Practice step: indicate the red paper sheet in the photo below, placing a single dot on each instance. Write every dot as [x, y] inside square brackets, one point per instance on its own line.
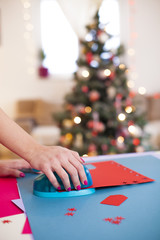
[111, 173]
[8, 192]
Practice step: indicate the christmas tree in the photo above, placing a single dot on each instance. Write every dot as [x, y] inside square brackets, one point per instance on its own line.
[99, 115]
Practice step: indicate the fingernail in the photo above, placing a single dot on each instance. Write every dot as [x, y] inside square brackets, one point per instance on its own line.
[82, 159]
[59, 188]
[22, 174]
[69, 189]
[78, 187]
[85, 182]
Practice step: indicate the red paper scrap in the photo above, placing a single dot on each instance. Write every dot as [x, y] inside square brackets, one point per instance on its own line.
[69, 214]
[6, 221]
[72, 209]
[116, 220]
[108, 219]
[114, 200]
[26, 228]
[111, 173]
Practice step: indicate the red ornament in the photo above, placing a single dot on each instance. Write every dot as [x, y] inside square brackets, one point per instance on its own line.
[82, 110]
[119, 96]
[113, 142]
[89, 57]
[43, 72]
[104, 147]
[92, 147]
[136, 141]
[132, 94]
[94, 133]
[90, 124]
[128, 102]
[112, 76]
[94, 96]
[99, 32]
[130, 123]
[85, 89]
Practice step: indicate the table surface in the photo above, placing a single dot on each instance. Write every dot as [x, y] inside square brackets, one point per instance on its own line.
[140, 211]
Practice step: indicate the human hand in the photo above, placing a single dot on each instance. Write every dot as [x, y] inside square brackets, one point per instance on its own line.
[50, 159]
[12, 167]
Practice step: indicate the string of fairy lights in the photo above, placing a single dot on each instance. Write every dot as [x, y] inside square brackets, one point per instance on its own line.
[133, 36]
[28, 36]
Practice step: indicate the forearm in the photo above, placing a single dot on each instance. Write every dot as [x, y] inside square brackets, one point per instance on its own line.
[15, 138]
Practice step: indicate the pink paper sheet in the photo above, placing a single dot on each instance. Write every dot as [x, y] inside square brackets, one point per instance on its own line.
[8, 192]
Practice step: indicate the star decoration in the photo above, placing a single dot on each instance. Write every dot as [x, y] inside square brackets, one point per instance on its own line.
[116, 220]
[108, 219]
[6, 221]
[72, 209]
[69, 214]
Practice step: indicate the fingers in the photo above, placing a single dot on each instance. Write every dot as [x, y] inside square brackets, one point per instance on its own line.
[80, 171]
[10, 172]
[76, 155]
[50, 175]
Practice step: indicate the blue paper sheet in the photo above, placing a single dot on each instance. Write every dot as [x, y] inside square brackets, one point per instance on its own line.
[141, 210]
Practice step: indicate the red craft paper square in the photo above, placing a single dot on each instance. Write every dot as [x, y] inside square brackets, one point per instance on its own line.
[114, 200]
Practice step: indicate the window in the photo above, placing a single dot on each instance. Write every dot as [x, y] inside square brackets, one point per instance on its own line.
[60, 42]
[109, 13]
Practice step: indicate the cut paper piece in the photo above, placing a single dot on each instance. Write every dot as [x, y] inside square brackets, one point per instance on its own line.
[6, 221]
[13, 229]
[69, 214]
[8, 192]
[19, 203]
[114, 200]
[111, 173]
[116, 220]
[26, 228]
[72, 209]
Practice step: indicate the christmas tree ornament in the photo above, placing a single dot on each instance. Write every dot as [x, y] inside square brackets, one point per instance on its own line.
[85, 89]
[139, 149]
[89, 57]
[67, 123]
[92, 147]
[111, 92]
[78, 143]
[136, 141]
[88, 109]
[94, 95]
[104, 147]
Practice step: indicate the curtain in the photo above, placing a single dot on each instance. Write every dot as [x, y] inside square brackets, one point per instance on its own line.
[79, 13]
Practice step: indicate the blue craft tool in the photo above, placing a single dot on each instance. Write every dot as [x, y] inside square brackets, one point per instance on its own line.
[42, 187]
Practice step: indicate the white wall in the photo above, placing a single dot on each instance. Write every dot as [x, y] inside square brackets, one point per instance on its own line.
[18, 56]
[146, 23]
